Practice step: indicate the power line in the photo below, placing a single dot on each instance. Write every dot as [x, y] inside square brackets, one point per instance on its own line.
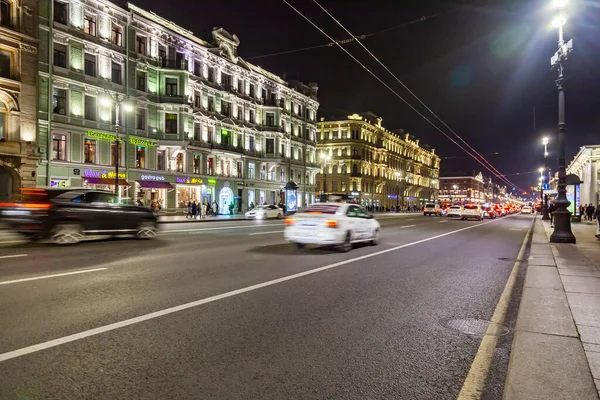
[457, 157]
[346, 41]
[497, 173]
[387, 86]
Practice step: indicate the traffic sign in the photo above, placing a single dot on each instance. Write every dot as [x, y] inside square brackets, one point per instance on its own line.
[546, 186]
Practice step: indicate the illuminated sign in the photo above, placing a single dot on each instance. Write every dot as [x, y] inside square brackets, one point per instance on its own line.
[189, 181]
[58, 183]
[101, 135]
[88, 173]
[152, 178]
[142, 142]
[212, 181]
[355, 193]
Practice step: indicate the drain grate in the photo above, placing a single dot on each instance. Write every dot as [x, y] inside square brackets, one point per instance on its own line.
[474, 327]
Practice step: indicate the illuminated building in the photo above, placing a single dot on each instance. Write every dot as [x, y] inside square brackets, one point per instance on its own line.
[206, 125]
[18, 48]
[463, 189]
[381, 167]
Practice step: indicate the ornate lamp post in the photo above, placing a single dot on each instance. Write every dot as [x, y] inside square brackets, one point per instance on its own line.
[118, 100]
[545, 214]
[562, 217]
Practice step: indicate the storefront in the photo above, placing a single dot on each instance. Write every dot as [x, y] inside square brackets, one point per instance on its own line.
[151, 188]
[103, 179]
[192, 189]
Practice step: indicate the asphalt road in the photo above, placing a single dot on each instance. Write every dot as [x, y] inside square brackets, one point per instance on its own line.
[368, 324]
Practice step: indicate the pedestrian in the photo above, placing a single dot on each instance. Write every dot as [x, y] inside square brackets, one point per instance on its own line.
[590, 211]
[251, 205]
[194, 209]
[551, 210]
[581, 210]
[231, 208]
[203, 211]
[596, 217]
[189, 210]
[215, 208]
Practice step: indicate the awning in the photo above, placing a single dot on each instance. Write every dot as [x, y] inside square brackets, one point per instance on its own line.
[105, 181]
[155, 185]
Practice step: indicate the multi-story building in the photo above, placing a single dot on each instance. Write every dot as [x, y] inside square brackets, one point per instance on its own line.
[18, 48]
[463, 189]
[204, 125]
[383, 168]
[585, 165]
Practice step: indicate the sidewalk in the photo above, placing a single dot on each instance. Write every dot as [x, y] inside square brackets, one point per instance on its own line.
[556, 347]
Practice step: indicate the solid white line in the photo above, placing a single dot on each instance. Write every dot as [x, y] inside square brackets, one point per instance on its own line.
[110, 327]
[263, 233]
[411, 219]
[407, 226]
[443, 222]
[219, 228]
[35, 278]
[14, 256]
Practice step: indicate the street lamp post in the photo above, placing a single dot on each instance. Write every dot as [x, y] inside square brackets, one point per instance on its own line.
[325, 159]
[545, 213]
[562, 217]
[397, 174]
[117, 100]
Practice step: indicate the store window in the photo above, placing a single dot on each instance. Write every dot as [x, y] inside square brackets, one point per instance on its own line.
[89, 151]
[90, 108]
[112, 153]
[89, 25]
[196, 163]
[162, 160]
[90, 64]
[116, 36]
[59, 147]
[59, 101]
[179, 162]
[170, 123]
[140, 157]
[60, 55]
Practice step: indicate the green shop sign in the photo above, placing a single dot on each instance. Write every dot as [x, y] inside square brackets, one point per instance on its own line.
[101, 135]
[142, 142]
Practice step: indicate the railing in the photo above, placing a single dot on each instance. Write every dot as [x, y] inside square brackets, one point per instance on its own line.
[228, 147]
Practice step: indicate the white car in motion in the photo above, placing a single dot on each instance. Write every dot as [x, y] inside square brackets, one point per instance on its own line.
[265, 212]
[472, 211]
[454, 211]
[337, 224]
[526, 210]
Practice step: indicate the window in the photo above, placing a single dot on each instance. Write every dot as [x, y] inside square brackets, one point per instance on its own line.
[226, 108]
[179, 162]
[60, 12]
[116, 72]
[252, 91]
[180, 61]
[196, 163]
[270, 119]
[89, 25]
[226, 80]
[90, 64]
[197, 99]
[140, 157]
[60, 55]
[140, 118]
[5, 64]
[240, 87]
[59, 147]
[170, 123]
[89, 151]
[211, 74]
[252, 117]
[90, 108]
[162, 54]
[210, 166]
[251, 144]
[239, 169]
[140, 80]
[197, 68]
[140, 45]
[334, 186]
[270, 146]
[162, 160]
[112, 153]
[171, 86]
[240, 112]
[5, 13]
[197, 131]
[211, 103]
[343, 186]
[59, 101]
[116, 35]
[100, 197]
[251, 172]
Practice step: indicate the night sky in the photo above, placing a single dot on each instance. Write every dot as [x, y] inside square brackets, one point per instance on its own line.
[483, 66]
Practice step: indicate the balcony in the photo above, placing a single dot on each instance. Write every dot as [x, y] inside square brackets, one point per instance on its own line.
[355, 174]
[174, 99]
[254, 153]
[271, 128]
[228, 147]
[169, 63]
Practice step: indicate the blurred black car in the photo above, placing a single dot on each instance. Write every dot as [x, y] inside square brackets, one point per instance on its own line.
[66, 216]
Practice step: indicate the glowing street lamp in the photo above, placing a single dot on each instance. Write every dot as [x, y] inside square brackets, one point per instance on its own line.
[118, 100]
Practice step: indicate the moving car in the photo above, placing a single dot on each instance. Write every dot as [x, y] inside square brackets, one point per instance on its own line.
[265, 212]
[472, 211]
[67, 216]
[500, 211]
[488, 211]
[526, 210]
[432, 209]
[337, 224]
[454, 211]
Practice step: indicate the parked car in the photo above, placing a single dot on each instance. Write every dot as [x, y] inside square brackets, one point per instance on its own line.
[265, 212]
[454, 211]
[472, 211]
[337, 224]
[67, 216]
[432, 209]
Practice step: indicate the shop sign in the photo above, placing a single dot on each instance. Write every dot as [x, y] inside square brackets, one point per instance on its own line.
[392, 196]
[188, 180]
[355, 193]
[158, 178]
[60, 183]
[142, 142]
[77, 172]
[212, 181]
[101, 135]
[88, 173]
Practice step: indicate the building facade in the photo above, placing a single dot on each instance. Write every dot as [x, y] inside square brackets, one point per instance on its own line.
[196, 121]
[586, 166]
[463, 189]
[382, 168]
[18, 48]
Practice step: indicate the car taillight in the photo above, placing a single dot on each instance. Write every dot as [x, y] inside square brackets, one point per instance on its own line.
[290, 221]
[331, 223]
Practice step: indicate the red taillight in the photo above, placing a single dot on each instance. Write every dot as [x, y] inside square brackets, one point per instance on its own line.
[331, 223]
[290, 221]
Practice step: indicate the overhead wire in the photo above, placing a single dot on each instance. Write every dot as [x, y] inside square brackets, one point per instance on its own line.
[495, 171]
[346, 41]
[389, 88]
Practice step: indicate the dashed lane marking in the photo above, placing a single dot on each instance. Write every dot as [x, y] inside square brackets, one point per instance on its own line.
[35, 278]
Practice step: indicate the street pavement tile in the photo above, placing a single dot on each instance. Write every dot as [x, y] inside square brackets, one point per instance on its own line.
[589, 334]
[594, 361]
[545, 311]
[580, 279]
[540, 250]
[578, 272]
[527, 380]
[590, 347]
[582, 287]
[586, 267]
[543, 277]
[536, 260]
[586, 316]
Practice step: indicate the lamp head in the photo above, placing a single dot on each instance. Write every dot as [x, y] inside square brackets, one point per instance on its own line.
[128, 107]
[105, 101]
[545, 140]
[560, 3]
[559, 21]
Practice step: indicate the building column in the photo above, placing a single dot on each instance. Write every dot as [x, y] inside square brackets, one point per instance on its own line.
[593, 185]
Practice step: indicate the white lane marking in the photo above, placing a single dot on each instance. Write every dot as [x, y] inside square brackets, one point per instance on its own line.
[411, 219]
[475, 381]
[263, 233]
[443, 222]
[14, 255]
[35, 278]
[121, 324]
[407, 226]
[218, 228]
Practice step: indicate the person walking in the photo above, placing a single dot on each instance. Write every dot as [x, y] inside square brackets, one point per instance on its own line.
[551, 210]
[581, 210]
[203, 211]
[596, 217]
[189, 210]
[231, 208]
[590, 211]
[194, 209]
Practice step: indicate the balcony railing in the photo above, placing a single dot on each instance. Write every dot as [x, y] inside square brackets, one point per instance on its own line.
[169, 63]
[228, 147]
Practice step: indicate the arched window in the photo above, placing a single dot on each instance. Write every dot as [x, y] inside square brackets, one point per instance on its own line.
[355, 169]
[334, 169]
[3, 121]
[344, 169]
